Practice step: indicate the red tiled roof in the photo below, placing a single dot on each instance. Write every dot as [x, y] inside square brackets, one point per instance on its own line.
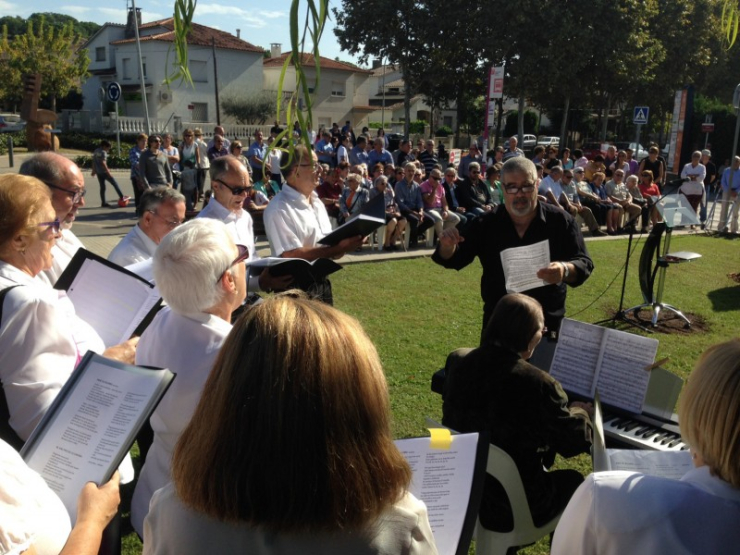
[308, 60]
[199, 35]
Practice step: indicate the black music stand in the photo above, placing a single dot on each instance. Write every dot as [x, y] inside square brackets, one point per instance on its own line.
[676, 212]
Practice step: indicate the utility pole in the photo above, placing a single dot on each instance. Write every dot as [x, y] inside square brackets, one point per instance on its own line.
[215, 81]
[141, 70]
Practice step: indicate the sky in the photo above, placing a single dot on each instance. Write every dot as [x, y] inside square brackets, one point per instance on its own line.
[261, 23]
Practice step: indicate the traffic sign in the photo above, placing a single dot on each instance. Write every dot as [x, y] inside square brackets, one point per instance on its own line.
[707, 127]
[113, 91]
[641, 115]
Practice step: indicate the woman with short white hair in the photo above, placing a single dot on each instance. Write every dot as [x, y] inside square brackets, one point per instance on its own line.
[200, 274]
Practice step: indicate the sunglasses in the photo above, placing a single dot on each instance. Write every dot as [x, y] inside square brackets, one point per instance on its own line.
[236, 191]
[243, 254]
[56, 225]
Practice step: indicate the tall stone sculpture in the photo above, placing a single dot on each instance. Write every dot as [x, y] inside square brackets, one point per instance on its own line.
[39, 122]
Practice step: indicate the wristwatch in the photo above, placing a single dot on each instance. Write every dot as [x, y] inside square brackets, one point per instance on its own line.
[566, 270]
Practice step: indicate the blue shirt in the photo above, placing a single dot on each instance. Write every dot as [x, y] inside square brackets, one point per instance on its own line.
[259, 152]
[358, 156]
[383, 157]
[726, 180]
[409, 198]
[324, 150]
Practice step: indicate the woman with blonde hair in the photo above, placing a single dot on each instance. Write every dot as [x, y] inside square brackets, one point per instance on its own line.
[295, 415]
[627, 512]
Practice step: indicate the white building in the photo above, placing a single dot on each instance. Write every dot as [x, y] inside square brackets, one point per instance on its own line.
[114, 57]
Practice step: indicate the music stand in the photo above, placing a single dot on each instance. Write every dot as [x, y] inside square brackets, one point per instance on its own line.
[676, 212]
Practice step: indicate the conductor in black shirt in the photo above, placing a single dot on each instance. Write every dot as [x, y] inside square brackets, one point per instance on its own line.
[521, 222]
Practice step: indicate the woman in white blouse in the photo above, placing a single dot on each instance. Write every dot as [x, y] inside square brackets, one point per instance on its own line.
[627, 512]
[290, 447]
[200, 274]
[41, 339]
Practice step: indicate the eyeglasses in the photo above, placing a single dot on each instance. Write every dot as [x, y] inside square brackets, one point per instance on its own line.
[236, 191]
[474, 171]
[187, 136]
[242, 255]
[434, 177]
[172, 224]
[56, 225]
[513, 188]
[237, 147]
[76, 194]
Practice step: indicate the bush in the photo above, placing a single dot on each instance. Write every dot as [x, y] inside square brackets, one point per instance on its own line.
[253, 110]
[19, 140]
[114, 162]
[417, 126]
[444, 131]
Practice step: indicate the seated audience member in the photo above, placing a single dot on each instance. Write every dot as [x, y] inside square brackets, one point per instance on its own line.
[493, 182]
[200, 273]
[565, 160]
[411, 203]
[35, 521]
[290, 448]
[353, 198]
[269, 188]
[614, 210]
[41, 338]
[571, 202]
[330, 191]
[472, 194]
[633, 187]
[594, 166]
[620, 163]
[588, 198]
[256, 201]
[450, 185]
[395, 223]
[619, 512]
[580, 160]
[160, 210]
[237, 151]
[618, 193]
[524, 409]
[550, 188]
[435, 203]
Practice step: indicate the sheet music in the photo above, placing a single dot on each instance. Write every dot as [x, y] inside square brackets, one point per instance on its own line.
[520, 266]
[80, 444]
[442, 479]
[577, 356]
[623, 380]
[111, 302]
[668, 464]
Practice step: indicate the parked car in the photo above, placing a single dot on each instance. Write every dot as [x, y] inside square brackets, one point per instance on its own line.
[10, 123]
[528, 142]
[545, 140]
[590, 150]
[639, 151]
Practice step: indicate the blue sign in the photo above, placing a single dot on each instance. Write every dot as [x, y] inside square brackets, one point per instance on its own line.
[641, 115]
[113, 91]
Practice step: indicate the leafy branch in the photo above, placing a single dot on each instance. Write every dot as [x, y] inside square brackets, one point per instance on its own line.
[183, 23]
[730, 21]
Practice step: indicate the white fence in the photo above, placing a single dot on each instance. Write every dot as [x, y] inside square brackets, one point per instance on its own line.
[134, 126]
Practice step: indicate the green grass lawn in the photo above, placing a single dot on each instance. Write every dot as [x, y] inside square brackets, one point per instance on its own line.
[417, 312]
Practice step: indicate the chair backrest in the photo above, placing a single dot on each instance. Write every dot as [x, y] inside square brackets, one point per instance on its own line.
[650, 252]
[502, 467]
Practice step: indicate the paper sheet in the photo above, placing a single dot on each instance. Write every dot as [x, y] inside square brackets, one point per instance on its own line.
[668, 464]
[521, 265]
[442, 480]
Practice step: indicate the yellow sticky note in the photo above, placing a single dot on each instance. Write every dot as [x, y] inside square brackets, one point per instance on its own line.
[441, 438]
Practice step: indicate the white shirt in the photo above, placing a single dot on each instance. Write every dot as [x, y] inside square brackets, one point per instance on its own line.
[173, 528]
[30, 512]
[136, 246]
[186, 345]
[549, 184]
[696, 175]
[63, 251]
[275, 157]
[342, 154]
[293, 221]
[616, 513]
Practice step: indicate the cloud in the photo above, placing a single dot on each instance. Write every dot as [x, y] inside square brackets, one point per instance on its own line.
[7, 7]
[253, 19]
[76, 10]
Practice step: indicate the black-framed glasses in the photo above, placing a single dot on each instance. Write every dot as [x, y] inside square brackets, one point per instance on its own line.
[513, 189]
[56, 225]
[242, 255]
[172, 224]
[566, 176]
[236, 191]
[76, 194]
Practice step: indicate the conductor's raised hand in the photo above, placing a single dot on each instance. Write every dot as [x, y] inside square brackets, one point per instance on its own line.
[448, 241]
[552, 273]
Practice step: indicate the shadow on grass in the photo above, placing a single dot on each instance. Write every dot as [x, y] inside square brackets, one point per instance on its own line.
[725, 299]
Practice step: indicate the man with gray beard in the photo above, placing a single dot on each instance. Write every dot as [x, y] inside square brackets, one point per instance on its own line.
[521, 221]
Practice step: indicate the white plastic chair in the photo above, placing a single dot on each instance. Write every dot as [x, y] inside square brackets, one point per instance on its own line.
[502, 467]
[377, 238]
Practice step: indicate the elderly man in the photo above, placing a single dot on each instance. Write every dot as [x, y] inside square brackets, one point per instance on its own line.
[67, 185]
[160, 210]
[473, 155]
[230, 183]
[472, 194]
[379, 155]
[411, 204]
[570, 201]
[435, 203]
[403, 154]
[256, 154]
[513, 151]
[428, 157]
[219, 131]
[618, 192]
[296, 219]
[522, 223]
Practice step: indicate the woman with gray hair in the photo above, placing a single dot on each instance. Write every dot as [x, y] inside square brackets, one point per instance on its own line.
[395, 223]
[201, 276]
[353, 198]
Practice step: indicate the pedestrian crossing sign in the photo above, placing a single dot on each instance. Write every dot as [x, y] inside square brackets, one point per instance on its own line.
[641, 115]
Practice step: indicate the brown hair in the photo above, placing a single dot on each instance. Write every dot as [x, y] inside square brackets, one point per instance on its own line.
[514, 322]
[648, 172]
[21, 199]
[709, 410]
[292, 431]
[289, 161]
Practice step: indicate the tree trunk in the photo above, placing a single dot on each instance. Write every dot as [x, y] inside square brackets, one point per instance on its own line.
[53, 102]
[406, 98]
[605, 121]
[520, 119]
[564, 124]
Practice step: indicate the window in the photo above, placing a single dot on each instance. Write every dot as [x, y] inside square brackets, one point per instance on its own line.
[100, 54]
[200, 111]
[198, 71]
[337, 89]
[127, 69]
[143, 64]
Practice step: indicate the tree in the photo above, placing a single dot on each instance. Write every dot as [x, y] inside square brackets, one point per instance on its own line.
[398, 40]
[54, 54]
[254, 110]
